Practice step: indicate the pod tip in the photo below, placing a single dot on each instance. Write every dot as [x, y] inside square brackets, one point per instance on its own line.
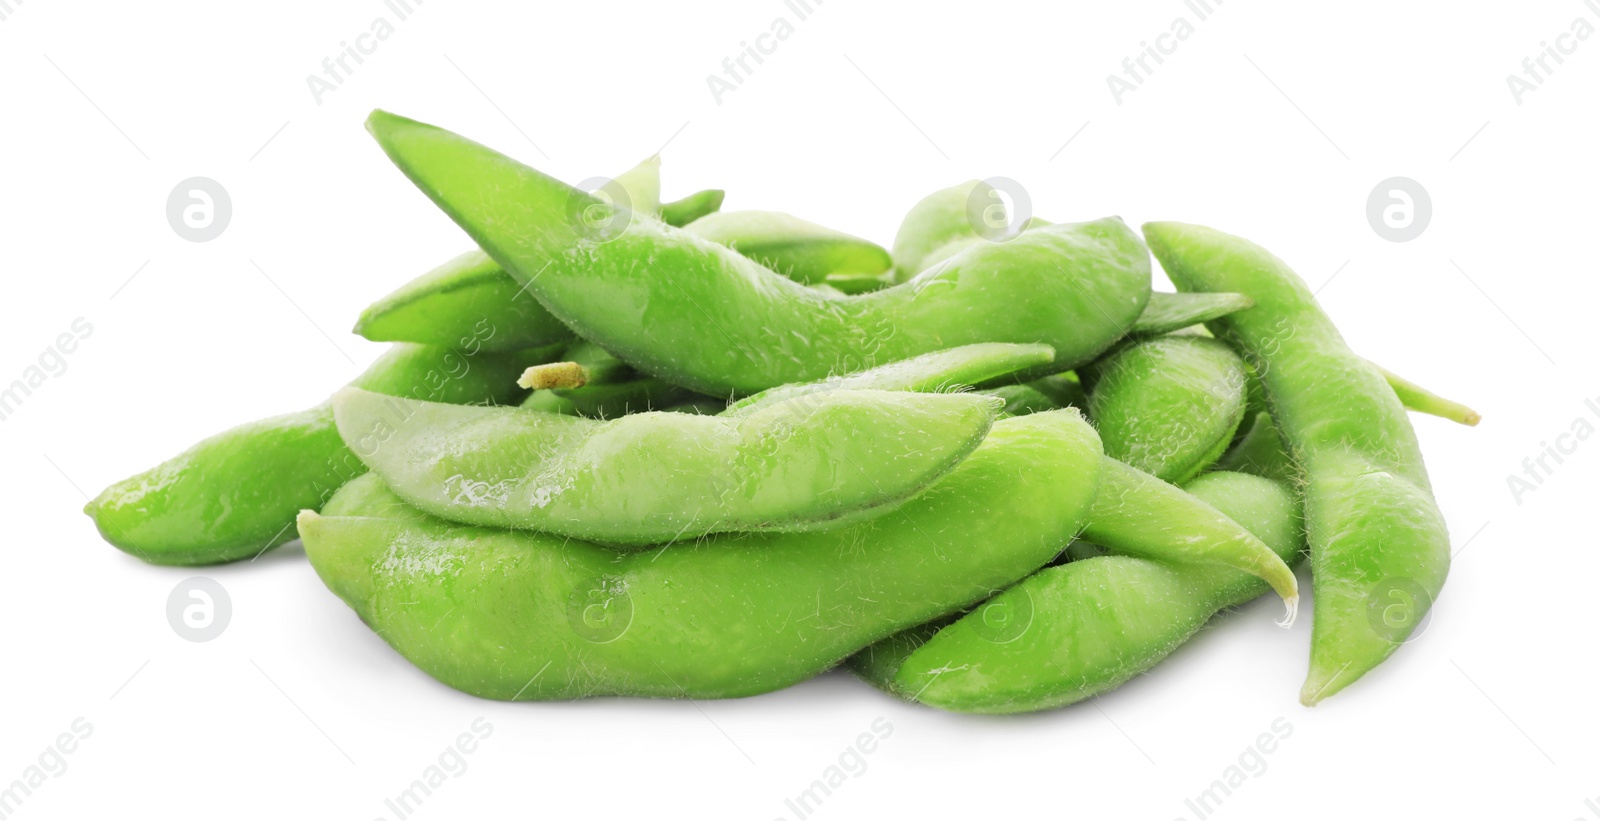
[1291, 609]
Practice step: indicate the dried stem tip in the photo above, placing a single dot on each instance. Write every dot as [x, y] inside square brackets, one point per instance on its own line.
[554, 375]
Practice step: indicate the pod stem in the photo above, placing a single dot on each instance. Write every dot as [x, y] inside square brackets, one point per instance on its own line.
[1420, 399]
[554, 375]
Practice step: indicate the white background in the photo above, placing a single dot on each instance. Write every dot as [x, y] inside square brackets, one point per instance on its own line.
[1273, 121]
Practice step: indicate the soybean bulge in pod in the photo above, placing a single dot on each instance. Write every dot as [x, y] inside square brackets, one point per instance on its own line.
[234, 495]
[1076, 630]
[1134, 512]
[525, 615]
[1169, 405]
[648, 478]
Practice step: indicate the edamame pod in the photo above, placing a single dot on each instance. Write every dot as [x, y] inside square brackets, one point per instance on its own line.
[943, 217]
[800, 250]
[684, 211]
[807, 463]
[1073, 631]
[235, 494]
[638, 189]
[1171, 312]
[937, 372]
[522, 615]
[1137, 514]
[1379, 548]
[471, 296]
[1260, 452]
[725, 326]
[1169, 405]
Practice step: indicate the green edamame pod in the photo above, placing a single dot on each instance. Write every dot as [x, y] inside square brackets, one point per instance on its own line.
[524, 615]
[471, 296]
[235, 494]
[943, 217]
[811, 462]
[1137, 514]
[468, 295]
[878, 662]
[681, 212]
[1169, 405]
[1076, 630]
[1260, 452]
[724, 325]
[940, 371]
[1378, 540]
[800, 250]
[1171, 312]
[638, 189]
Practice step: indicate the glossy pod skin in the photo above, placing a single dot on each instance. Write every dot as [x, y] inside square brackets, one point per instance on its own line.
[1169, 405]
[808, 463]
[236, 494]
[1379, 548]
[725, 326]
[520, 615]
[802, 251]
[1073, 631]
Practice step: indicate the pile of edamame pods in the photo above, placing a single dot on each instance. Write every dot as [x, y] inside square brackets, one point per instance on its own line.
[627, 447]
